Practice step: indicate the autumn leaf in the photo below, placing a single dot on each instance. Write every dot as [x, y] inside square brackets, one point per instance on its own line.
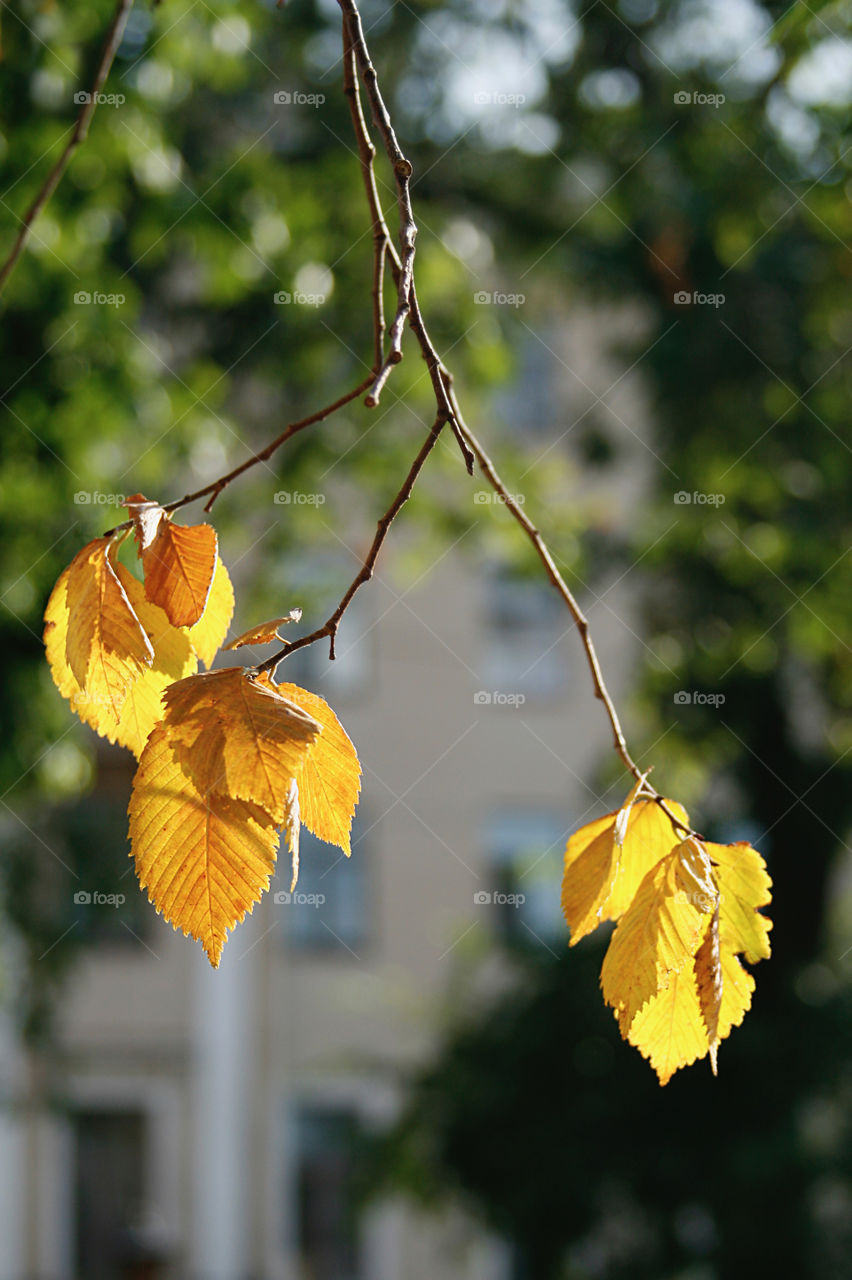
[606, 860]
[204, 858]
[696, 1009]
[211, 628]
[179, 563]
[657, 936]
[329, 778]
[96, 645]
[174, 659]
[744, 887]
[238, 737]
[669, 1030]
[265, 631]
[208, 627]
[221, 772]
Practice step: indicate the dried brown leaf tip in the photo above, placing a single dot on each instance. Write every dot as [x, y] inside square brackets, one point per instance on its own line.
[265, 632]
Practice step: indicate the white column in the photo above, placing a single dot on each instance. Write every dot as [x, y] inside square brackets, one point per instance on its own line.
[13, 1158]
[221, 1088]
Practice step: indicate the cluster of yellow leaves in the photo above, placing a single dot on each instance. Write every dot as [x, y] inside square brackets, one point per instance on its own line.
[227, 759]
[233, 760]
[685, 911]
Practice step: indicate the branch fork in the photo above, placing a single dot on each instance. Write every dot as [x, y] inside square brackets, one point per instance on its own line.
[357, 69]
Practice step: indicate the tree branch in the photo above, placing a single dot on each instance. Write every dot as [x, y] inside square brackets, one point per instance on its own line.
[81, 129]
[356, 56]
[356, 59]
[216, 486]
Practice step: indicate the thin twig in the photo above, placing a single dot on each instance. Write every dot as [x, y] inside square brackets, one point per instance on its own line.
[367, 154]
[216, 486]
[365, 573]
[402, 171]
[81, 129]
[356, 52]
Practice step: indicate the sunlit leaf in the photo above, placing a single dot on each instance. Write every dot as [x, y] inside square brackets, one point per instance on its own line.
[211, 628]
[204, 859]
[179, 564]
[237, 736]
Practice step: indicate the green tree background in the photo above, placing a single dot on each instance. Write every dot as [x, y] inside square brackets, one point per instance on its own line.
[197, 200]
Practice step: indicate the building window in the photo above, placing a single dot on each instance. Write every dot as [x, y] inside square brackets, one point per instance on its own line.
[330, 909]
[524, 853]
[523, 651]
[326, 1225]
[109, 1168]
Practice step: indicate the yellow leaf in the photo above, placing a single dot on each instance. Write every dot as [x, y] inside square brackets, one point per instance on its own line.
[141, 709]
[656, 937]
[744, 886]
[602, 876]
[236, 736]
[179, 564]
[96, 645]
[737, 988]
[211, 628]
[174, 659]
[329, 777]
[265, 631]
[713, 994]
[590, 862]
[204, 859]
[650, 837]
[674, 1029]
[670, 1031]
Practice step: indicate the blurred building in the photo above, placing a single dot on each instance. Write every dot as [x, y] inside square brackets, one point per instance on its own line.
[198, 1125]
